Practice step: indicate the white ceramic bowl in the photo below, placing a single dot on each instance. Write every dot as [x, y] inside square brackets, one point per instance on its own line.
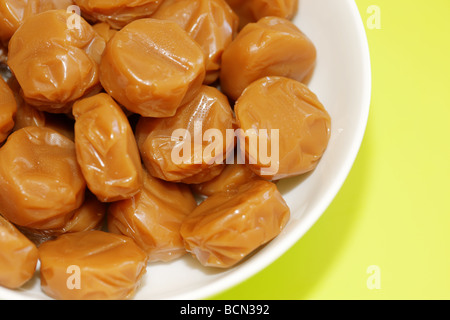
[342, 81]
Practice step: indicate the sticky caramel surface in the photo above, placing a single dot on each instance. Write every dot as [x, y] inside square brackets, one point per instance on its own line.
[228, 226]
[152, 67]
[18, 256]
[302, 123]
[91, 265]
[270, 47]
[153, 218]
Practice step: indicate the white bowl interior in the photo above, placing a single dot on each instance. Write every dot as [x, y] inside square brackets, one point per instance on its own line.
[342, 81]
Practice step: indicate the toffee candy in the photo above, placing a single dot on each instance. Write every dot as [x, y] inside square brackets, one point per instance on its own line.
[18, 256]
[168, 158]
[271, 47]
[117, 13]
[153, 217]
[228, 226]
[253, 10]
[152, 67]
[106, 149]
[8, 109]
[211, 23]
[91, 265]
[14, 12]
[54, 64]
[41, 183]
[302, 123]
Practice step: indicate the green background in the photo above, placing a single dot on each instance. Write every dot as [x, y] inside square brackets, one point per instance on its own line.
[393, 210]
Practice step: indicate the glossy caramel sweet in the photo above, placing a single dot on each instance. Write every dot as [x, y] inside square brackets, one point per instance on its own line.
[41, 183]
[18, 256]
[211, 23]
[177, 148]
[253, 10]
[153, 218]
[228, 226]
[152, 67]
[271, 47]
[302, 123]
[91, 265]
[104, 30]
[106, 149]
[117, 13]
[233, 176]
[90, 216]
[8, 109]
[14, 12]
[54, 64]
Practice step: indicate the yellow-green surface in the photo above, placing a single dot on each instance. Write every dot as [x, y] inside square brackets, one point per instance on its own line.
[393, 211]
